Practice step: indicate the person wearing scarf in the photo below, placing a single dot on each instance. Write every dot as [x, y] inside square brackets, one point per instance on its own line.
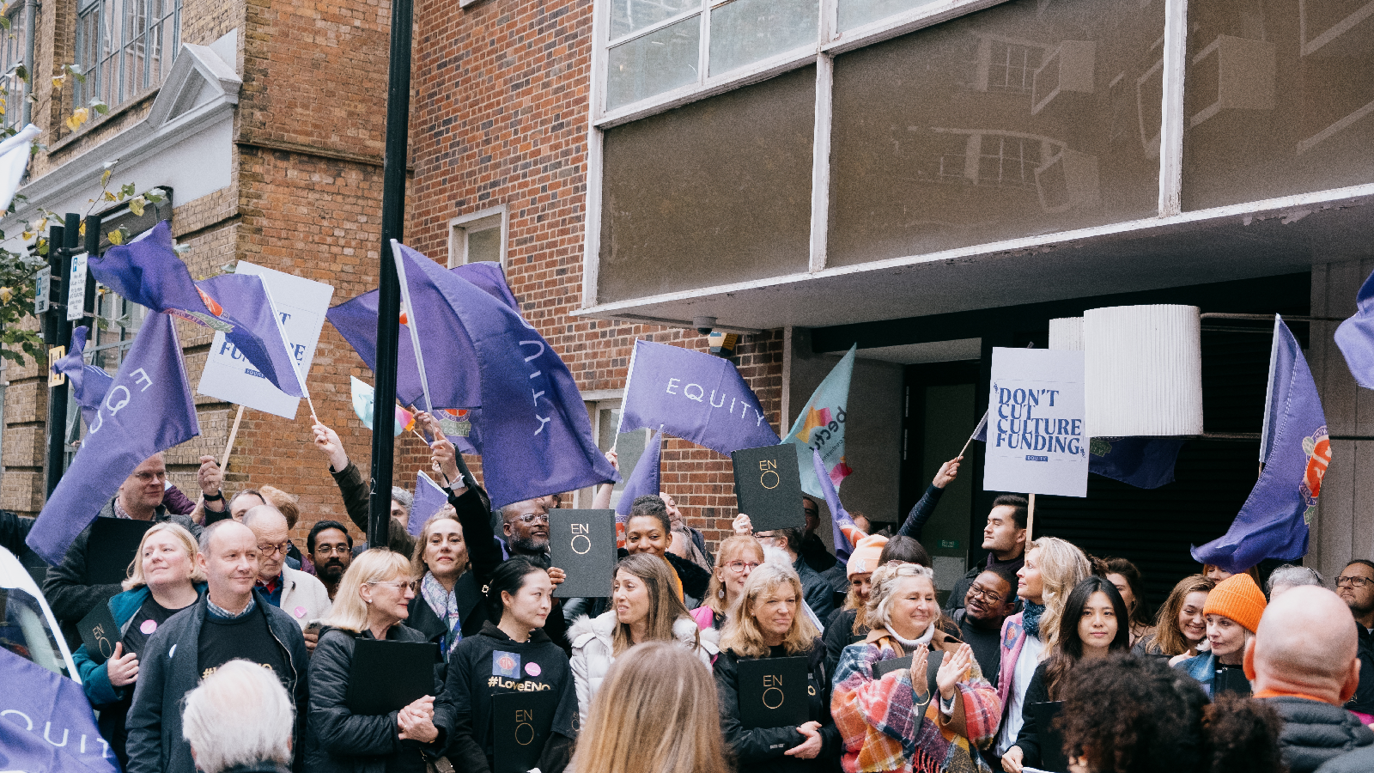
[440, 561]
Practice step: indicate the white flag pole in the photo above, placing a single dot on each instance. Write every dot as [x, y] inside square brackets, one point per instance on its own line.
[629, 374]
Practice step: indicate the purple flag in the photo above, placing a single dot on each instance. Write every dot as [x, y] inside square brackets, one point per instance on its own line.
[1295, 450]
[845, 532]
[147, 409]
[644, 480]
[1355, 337]
[47, 725]
[89, 383]
[429, 499]
[695, 396]
[536, 435]
[148, 271]
[1143, 462]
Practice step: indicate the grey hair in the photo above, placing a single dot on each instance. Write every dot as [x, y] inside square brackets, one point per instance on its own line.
[255, 513]
[406, 498]
[204, 542]
[248, 698]
[884, 589]
[1291, 576]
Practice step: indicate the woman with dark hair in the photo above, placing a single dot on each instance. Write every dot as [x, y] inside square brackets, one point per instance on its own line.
[1138, 715]
[650, 530]
[1126, 577]
[849, 625]
[1092, 626]
[511, 656]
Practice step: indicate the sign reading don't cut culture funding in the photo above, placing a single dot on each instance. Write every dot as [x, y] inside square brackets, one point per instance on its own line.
[1036, 439]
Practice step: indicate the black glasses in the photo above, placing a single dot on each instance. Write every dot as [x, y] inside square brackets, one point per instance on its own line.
[1354, 581]
[268, 550]
[989, 596]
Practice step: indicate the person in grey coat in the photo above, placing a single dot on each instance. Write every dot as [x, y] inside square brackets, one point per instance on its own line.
[232, 621]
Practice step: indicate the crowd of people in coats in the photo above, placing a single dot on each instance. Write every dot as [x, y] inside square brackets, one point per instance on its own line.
[235, 646]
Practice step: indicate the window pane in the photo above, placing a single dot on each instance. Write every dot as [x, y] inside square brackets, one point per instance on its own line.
[855, 13]
[484, 245]
[1278, 99]
[630, 15]
[729, 201]
[746, 31]
[658, 62]
[11, 56]
[1026, 118]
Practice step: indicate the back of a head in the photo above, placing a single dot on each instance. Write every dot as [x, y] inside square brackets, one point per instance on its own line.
[906, 550]
[1291, 576]
[288, 504]
[238, 716]
[1305, 642]
[655, 713]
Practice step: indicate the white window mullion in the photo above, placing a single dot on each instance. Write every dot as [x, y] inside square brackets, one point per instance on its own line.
[820, 160]
[704, 55]
[1171, 112]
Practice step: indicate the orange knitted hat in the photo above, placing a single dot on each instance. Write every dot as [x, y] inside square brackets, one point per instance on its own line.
[1239, 598]
[864, 559]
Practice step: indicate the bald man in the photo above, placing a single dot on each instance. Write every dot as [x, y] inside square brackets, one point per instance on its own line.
[296, 593]
[1303, 662]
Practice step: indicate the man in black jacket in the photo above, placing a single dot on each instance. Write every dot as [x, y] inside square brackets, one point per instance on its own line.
[230, 621]
[1004, 538]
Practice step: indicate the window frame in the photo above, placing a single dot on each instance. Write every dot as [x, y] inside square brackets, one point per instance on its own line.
[15, 45]
[93, 15]
[462, 227]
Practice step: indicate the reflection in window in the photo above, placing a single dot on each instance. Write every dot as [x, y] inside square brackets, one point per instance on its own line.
[25, 631]
[632, 15]
[657, 62]
[1011, 66]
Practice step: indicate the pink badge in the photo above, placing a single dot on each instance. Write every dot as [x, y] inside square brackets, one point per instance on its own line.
[148, 627]
[300, 611]
[533, 669]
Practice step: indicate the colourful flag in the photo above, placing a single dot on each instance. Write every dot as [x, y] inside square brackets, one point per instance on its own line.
[147, 409]
[844, 530]
[644, 480]
[89, 383]
[1295, 450]
[429, 499]
[1355, 336]
[694, 396]
[47, 725]
[537, 438]
[820, 427]
[362, 405]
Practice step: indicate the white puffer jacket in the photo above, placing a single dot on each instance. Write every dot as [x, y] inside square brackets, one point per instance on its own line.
[593, 645]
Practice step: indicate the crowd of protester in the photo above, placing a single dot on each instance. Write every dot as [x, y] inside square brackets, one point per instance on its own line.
[235, 649]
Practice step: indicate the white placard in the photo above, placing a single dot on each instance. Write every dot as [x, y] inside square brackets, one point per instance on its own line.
[301, 304]
[1037, 443]
[76, 289]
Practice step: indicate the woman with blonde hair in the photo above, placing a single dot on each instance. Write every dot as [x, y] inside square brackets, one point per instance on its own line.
[657, 713]
[645, 607]
[905, 720]
[371, 604]
[164, 578]
[736, 558]
[1052, 568]
[769, 624]
[447, 595]
[1181, 625]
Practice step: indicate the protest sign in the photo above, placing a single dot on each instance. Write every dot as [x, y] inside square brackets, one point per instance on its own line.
[1036, 440]
[118, 539]
[386, 676]
[768, 486]
[582, 544]
[521, 723]
[301, 305]
[773, 692]
[99, 633]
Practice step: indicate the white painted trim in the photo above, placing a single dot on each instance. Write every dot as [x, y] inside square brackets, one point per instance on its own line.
[685, 323]
[600, 395]
[1297, 205]
[820, 161]
[457, 250]
[1171, 113]
[648, 29]
[591, 212]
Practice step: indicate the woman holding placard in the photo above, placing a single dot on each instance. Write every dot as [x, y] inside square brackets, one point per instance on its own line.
[737, 557]
[769, 624]
[440, 605]
[645, 607]
[509, 667]
[371, 603]
[164, 578]
[903, 720]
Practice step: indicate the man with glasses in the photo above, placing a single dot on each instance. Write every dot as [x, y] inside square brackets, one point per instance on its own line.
[331, 551]
[294, 592]
[70, 589]
[991, 598]
[1355, 586]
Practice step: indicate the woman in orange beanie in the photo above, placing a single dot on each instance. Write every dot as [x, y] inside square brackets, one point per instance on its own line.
[1232, 611]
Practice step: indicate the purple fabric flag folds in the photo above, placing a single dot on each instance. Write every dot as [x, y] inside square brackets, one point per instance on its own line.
[89, 383]
[148, 408]
[40, 708]
[839, 517]
[694, 396]
[1355, 337]
[1274, 519]
[256, 329]
[644, 480]
[536, 435]
[1143, 462]
[429, 499]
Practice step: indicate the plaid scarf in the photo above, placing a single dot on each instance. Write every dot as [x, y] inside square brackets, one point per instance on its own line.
[444, 604]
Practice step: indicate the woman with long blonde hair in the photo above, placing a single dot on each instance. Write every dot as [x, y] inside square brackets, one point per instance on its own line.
[371, 604]
[736, 558]
[656, 713]
[769, 624]
[442, 600]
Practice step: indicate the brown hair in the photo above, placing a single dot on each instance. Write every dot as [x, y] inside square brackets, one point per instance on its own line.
[288, 504]
[729, 549]
[742, 633]
[1168, 638]
[657, 711]
[665, 608]
[417, 560]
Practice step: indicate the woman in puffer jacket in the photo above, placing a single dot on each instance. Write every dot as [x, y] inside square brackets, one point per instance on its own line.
[645, 607]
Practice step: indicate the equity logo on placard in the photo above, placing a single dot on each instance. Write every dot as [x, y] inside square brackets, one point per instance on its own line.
[1318, 450]
[505, 664]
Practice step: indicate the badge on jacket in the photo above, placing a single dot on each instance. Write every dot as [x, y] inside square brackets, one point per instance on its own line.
[505, 664]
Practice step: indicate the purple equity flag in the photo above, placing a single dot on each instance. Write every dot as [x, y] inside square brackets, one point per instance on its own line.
[41, 708]
[89, 383]
[147, 409]
[536, 434]
[644, 480]
[1143, 462]
[695, 396]
[846, 533]
[1355, 336]
[1295, 450]
[429, 499]
[256, 328]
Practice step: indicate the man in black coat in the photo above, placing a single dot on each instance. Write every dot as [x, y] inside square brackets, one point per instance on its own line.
[231, 621]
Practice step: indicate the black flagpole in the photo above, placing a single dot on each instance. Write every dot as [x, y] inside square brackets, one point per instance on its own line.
[389, 302]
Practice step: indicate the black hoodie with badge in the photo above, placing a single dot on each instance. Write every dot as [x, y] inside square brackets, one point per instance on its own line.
[492, 663]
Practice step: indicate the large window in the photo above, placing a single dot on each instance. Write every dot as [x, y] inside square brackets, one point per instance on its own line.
[11, 57]
[124, 47]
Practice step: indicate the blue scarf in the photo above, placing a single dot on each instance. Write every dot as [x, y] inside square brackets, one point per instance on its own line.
[1030, 618]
